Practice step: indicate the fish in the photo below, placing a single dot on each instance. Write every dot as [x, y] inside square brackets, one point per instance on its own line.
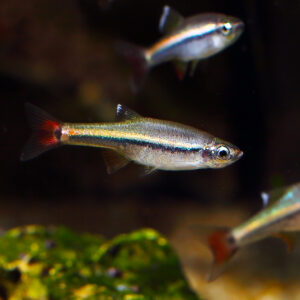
[186, 41]
[153, 143]
[280, 217]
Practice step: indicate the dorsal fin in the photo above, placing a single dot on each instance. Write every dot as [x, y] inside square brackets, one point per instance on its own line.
[272, 196]
[124, 113]
[169, 20]
[265, 197]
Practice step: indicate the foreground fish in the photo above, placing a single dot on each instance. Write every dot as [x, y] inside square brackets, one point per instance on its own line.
[186, 40]
[154, 143]
[280, 216]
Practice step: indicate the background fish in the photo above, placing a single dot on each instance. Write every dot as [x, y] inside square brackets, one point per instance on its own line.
[154, 143]
[186, 40]
[279, 218]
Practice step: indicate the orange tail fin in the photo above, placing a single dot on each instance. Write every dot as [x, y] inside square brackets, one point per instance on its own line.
[46, 132]
[223, 247]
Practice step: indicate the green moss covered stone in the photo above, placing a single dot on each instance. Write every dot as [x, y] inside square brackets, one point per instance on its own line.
[56, 263]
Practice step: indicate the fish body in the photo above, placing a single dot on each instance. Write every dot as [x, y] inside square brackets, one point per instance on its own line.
[280, 217]
[196, 38]
[154, 143]
[283, 215]
[186, 40]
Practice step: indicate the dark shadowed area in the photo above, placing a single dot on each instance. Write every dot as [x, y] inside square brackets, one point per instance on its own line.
[60, 56]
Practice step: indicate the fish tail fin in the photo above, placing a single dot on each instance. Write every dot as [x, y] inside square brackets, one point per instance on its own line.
[221, 244]
[46, 132]
[136, 56]
[223, 247]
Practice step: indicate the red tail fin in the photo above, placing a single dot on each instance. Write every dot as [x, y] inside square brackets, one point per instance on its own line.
[223, 248]
[135, 55]
[46, 132]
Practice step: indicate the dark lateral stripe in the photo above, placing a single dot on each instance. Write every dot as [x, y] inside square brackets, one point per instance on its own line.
[184, 40]
[124, 141]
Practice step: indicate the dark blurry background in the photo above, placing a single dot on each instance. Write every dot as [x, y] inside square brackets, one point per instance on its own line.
[59, 55]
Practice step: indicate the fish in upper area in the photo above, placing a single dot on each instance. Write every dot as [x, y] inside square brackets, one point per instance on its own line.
[279, 218]
[156, 144]
[186, 40]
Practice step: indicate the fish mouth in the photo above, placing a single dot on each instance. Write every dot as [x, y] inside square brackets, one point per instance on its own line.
[238, 154]
[239, 26]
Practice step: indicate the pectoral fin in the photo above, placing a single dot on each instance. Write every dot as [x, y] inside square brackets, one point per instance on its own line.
[114, 161]
[169, 20]
[124, 113]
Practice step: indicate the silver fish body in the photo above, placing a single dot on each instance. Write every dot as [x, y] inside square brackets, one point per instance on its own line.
[185, 41]
[196, 38]
[150, 142]
[280, 218]
[160, 144]
[283, 215]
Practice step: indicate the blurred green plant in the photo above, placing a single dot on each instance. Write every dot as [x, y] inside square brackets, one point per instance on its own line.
[56, 263]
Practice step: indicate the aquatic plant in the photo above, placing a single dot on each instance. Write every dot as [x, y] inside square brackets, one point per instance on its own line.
[57, 263]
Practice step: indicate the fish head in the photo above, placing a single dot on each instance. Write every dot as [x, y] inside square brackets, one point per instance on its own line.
[222, 31]
[228, 30]
[220, 154]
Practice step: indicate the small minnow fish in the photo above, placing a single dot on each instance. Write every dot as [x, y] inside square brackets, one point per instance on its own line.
[186, 40]
[279, 217]
[153, 143]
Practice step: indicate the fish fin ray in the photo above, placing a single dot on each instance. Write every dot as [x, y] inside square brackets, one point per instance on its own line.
[169, 20]
[265, 197]
[123, 113]
[46, 132]
[147, 170]
[114, 161]
[136, 57]
[181, 68]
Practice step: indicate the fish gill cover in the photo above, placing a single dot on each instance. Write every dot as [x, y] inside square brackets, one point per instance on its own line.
[56, 263]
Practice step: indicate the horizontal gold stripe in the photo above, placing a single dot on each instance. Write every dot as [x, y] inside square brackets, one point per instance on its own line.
[176, 38]
[96, 132]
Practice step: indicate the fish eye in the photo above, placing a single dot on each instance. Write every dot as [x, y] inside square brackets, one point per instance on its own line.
[223, 152]
[226, 28]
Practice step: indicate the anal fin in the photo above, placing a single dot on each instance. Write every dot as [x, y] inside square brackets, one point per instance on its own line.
[193, 66]
[181, 68]
[169, 20]
[114, 161]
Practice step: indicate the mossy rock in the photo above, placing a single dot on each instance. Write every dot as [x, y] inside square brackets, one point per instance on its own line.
[56, 263]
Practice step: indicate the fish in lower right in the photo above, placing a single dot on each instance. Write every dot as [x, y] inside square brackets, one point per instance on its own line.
[279, 218]
[155, 144]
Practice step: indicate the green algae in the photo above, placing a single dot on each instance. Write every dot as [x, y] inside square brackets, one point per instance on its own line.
[56, 263]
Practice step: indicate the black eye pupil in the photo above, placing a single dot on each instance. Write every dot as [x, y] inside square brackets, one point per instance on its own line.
[223, 153]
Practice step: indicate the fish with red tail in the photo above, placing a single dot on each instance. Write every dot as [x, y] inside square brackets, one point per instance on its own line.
[279, 218]
[153, 143]
[185, 42]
